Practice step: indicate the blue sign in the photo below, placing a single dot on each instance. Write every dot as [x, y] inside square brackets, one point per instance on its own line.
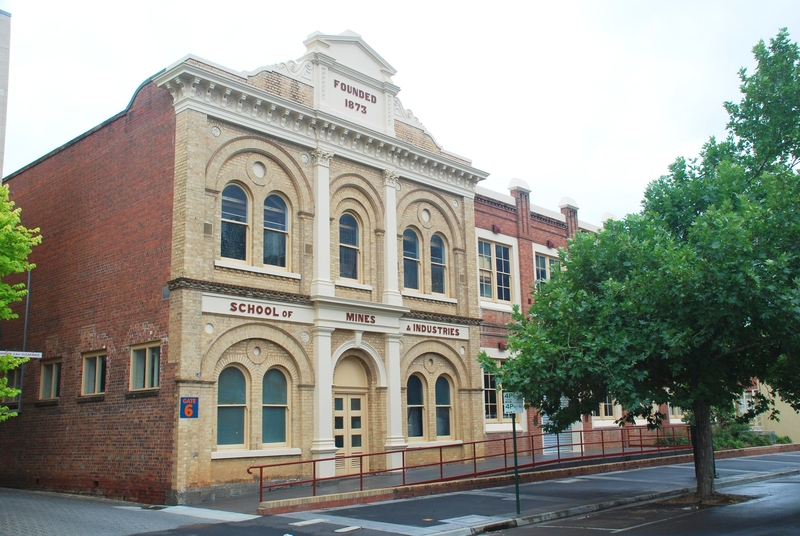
[189, 408]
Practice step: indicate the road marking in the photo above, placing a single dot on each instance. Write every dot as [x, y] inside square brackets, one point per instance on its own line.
[308, 522]
[348, 529]
[218, 515]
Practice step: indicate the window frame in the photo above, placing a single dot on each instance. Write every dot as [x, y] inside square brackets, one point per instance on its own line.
[243, 405]
[418, 408]
[229, 221]
[99, 381]
[272, 405]
[492, 268]
[13, 381]
[448, 407]
[436, 264]
[54, 387]
[415, 262]
[148, 367]
[500, 417]
[607, 409]
[356, 248]
[275, 230]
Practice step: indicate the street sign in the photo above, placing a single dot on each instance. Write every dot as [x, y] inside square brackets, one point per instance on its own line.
[512, 403]
[14, 353]
[189, 407]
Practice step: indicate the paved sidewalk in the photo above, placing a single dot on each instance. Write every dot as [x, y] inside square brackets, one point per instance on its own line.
[36, 513]
[455, 514]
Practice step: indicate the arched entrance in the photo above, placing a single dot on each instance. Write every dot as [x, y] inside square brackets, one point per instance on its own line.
[350, 415]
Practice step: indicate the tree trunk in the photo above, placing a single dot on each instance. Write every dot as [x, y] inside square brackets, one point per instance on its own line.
[704, 457]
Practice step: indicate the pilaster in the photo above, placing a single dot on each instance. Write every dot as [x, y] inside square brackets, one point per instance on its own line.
[321, 284]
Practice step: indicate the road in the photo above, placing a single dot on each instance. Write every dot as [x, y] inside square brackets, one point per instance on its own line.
[773, 510]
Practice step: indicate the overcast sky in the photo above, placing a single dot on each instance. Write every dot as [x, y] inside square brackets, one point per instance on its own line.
[586, 99]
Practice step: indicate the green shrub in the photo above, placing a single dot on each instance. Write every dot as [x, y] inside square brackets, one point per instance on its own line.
[783, 440]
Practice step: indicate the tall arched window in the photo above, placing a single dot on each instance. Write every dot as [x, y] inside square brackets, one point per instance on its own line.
[348, 246]
[274, 407]
[415, 402]
[275, 231]
[442, 407]
[231, 407]
[410, 259]
[438, 265]
[233, 236]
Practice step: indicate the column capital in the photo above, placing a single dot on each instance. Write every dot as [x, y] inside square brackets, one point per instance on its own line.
[390, 178]
[321, 158]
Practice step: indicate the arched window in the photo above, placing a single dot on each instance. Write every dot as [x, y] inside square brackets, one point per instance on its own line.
[438, 265]
[416, 407]
[274, 407]
[348, 246]
[442, 407]
[410, 259]
[233, 241]
[231, 407]
[275, 231]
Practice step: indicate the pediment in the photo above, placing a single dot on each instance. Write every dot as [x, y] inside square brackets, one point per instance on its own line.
[349, 50]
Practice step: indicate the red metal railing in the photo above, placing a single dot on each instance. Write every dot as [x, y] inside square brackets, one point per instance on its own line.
[425, 465]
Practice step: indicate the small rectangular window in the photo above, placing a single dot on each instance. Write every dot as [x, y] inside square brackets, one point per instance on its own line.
[13, 381]
[51, 380]
[145, 364]
[94, 374]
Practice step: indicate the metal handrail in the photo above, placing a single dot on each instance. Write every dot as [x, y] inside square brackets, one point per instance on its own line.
[627, 440]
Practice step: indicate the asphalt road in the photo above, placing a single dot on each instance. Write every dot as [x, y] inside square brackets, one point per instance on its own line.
[774, 509]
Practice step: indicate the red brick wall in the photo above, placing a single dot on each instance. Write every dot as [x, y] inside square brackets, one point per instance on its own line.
[104, 205]
[515, 220]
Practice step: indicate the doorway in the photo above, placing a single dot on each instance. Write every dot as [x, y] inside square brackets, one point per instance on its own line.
[350, 416]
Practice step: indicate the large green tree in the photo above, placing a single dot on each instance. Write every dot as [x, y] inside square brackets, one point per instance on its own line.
[16, 243]
[689, 300]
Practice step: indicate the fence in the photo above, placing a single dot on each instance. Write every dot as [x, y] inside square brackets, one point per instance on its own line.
[425, 465]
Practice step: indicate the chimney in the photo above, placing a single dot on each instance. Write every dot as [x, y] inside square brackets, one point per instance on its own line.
[520, 191]
[569, 208]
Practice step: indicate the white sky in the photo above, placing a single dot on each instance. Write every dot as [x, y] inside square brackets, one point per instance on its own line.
[586, 99]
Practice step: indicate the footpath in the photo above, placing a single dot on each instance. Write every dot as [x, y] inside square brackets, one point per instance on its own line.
[454, 509]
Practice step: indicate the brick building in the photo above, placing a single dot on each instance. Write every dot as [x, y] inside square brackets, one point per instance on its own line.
[245, 268]
[256, 267]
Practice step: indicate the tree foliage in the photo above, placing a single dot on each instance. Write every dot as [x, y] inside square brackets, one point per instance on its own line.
[689, 300]
[16, 243]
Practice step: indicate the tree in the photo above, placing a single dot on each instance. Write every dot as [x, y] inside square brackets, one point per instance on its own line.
[689, 300]
[16, 243]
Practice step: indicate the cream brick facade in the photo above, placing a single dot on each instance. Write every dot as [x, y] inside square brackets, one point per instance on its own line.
[292, 130]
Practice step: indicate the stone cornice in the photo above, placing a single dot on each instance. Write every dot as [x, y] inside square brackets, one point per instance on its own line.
[182, 283]
[197, 88]
[447, 319]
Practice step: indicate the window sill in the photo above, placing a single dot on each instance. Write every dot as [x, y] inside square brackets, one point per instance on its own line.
[427, 444]
[494, 306]
[430, 297]
[256, 269]
[263, 453]
[46, 403]
[97, 397]
[348, 284]
[142, 393]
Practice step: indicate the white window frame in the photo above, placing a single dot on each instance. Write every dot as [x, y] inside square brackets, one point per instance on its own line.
[483, 235]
